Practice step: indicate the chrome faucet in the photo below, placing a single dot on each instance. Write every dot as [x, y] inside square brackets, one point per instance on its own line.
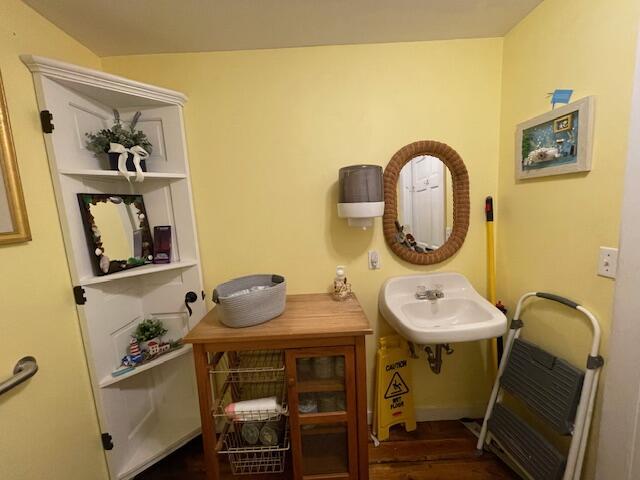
[423, 293]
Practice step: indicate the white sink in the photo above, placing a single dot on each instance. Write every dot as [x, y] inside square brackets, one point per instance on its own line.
[462, 315]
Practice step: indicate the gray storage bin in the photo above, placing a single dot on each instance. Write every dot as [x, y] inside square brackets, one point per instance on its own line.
[250, 300]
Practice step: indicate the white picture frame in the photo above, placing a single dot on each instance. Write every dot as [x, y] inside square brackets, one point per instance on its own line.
[557, 142]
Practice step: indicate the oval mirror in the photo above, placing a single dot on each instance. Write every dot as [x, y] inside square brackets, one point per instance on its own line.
[426, 215]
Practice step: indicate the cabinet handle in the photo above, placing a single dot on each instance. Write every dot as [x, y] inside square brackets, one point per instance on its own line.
[292, 382]
[190, 297]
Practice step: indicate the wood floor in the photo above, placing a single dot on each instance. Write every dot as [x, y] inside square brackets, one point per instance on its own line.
[436, 450]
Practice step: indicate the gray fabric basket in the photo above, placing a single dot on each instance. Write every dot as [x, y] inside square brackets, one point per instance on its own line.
[254, 307]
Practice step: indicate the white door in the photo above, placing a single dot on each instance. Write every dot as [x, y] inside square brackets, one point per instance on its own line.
[619, 443]
[152, 410]
[428, 199]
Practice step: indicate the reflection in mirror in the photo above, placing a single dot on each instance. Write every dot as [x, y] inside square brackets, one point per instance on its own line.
[425, 210]
[117, 231]
[117, 226]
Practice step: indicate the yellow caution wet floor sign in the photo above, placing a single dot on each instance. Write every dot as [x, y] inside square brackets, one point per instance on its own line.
[394, 398]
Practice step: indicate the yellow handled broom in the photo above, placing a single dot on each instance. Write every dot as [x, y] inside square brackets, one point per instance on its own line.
[491, 280]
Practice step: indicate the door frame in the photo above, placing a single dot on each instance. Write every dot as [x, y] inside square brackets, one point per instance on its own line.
[619, 439]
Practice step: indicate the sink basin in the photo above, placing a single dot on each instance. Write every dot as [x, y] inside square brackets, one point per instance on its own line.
[461, 316]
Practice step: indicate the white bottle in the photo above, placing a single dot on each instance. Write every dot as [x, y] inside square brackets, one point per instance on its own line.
[341, 274]
[257, 410]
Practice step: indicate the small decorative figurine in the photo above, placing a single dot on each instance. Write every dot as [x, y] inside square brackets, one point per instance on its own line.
[341, 288]
[148, 331]
[134, 348]
[132, 360]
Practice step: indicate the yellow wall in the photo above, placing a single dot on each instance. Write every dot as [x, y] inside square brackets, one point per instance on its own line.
[268, 130]
[48, 426]
[549, 229]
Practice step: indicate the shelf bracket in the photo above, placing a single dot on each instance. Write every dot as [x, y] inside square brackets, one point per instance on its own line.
[78, 294]
[46, 119]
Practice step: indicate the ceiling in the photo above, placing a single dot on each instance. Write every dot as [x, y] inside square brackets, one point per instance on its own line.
[126, 27]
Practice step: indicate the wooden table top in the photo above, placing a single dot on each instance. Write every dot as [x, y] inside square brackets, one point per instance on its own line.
[306, 316]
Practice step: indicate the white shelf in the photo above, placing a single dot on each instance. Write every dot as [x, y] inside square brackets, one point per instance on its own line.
[116, 175]
[110, 380]
[137, 271]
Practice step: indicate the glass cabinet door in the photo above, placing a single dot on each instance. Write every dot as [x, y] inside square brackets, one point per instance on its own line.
[325, 449]
[322, 411]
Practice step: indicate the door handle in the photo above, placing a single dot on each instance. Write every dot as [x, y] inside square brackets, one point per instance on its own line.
[24, 369]
[190, 297]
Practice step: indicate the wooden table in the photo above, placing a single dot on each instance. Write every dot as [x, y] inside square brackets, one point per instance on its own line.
[312, 325]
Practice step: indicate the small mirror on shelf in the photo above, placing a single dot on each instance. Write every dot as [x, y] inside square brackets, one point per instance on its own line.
[117, 229]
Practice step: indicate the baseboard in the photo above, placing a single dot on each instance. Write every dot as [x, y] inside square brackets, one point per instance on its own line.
[427, 413]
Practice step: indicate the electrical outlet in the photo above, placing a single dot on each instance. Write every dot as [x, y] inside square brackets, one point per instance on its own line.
[374, 260]
[608, 262]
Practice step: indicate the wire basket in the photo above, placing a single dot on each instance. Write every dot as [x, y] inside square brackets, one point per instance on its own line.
[249, 376]
[246, 459]
[252, 366]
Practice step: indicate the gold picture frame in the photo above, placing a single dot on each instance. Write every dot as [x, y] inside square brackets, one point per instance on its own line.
[562, 124]
[14, 224]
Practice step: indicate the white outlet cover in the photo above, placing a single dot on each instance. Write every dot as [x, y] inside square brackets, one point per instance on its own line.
[374, 260]
[608, 262]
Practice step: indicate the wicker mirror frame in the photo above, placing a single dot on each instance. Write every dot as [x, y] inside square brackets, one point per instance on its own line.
[461, 203]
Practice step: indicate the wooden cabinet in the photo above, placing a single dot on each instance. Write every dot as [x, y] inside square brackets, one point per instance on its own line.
[325, 375]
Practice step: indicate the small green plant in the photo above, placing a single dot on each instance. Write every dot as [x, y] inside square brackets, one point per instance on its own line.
[148, 329]
[128, 137]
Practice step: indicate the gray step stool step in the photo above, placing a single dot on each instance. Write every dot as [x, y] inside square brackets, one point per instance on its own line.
[532, 451]
[548, 385]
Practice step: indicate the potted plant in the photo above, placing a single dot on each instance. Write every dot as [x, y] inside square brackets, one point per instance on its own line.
[149, 330]
[121, 141]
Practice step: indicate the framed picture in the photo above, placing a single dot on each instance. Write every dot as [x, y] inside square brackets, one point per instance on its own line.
[562, 124]
[556, 142]
[14, 225]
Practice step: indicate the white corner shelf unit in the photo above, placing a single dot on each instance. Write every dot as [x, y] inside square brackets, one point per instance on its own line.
[146, 413]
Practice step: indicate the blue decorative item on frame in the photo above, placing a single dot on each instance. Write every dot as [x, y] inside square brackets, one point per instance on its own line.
[560, 96]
